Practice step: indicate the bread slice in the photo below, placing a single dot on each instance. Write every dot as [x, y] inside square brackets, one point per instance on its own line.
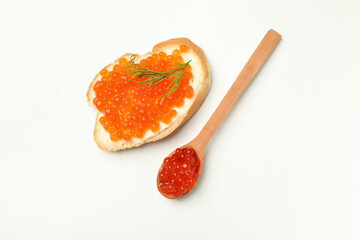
[200, 84]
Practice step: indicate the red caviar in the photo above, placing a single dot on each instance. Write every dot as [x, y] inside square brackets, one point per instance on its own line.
[179, 173]
[129, 109]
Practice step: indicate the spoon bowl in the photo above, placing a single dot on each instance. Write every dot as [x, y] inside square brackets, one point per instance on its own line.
[200, 156]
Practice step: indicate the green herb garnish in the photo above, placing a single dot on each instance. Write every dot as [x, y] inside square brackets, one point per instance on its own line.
[152, 78]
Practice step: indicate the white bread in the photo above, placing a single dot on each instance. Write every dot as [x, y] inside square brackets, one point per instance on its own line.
[200, 84]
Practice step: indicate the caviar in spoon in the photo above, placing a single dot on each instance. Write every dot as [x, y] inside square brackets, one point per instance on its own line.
[168, 176]
[179, 172]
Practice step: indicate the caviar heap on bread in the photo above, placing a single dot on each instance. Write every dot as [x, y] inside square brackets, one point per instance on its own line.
[143, 98]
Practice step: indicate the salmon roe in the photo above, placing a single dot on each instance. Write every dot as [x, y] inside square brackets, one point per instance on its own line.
[179, 173]
[130, 109]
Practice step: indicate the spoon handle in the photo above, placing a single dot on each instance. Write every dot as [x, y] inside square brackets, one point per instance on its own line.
[249, 71]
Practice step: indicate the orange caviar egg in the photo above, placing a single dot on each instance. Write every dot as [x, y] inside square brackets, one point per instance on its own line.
[175, 52]
[129, 109]
[183, 48]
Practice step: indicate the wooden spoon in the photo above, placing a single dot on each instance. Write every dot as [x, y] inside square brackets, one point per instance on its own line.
[251, 68]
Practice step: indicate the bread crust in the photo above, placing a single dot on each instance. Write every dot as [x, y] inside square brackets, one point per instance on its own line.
[102, 138]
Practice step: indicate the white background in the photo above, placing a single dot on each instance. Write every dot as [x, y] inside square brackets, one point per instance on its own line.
[284, 164]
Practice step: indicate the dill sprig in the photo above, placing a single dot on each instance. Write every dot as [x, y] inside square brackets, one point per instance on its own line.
[151, 78]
